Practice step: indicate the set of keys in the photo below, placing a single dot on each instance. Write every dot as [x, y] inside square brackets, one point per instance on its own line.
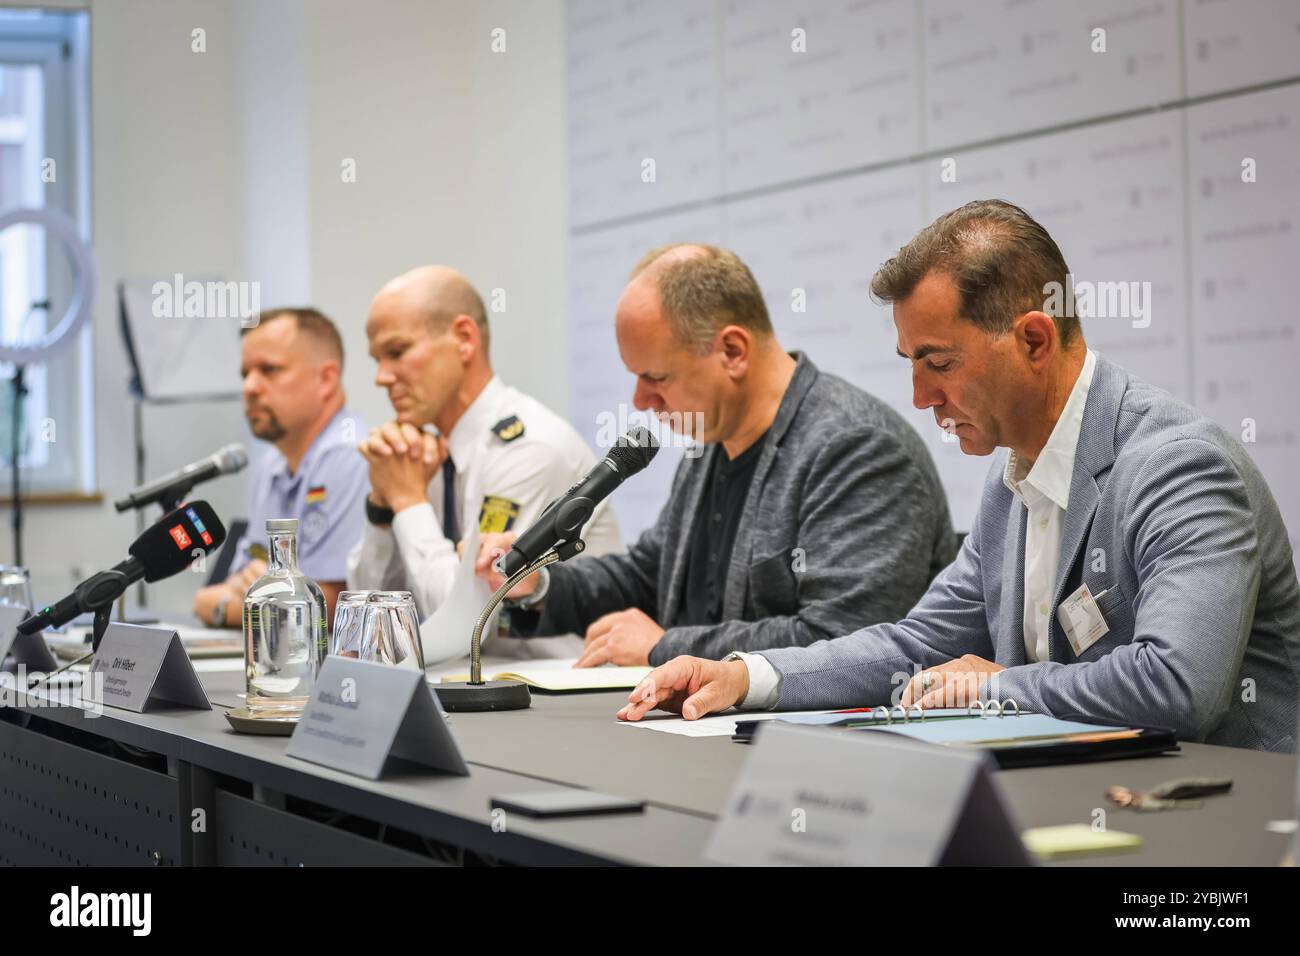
[1182, 794]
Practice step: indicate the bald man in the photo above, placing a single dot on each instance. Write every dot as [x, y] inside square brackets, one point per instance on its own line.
[813, 506]
[497, 459]
[291, 363]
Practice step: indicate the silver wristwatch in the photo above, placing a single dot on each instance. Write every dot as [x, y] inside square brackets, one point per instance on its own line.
[529, 601]
[219, 613]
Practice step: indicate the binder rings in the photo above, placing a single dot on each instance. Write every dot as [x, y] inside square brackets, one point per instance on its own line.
[1013, 737]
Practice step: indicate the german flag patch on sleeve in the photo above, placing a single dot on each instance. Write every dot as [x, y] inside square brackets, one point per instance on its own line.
[497, 514]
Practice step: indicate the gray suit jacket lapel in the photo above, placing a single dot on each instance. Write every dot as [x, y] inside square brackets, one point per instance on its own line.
[1094, 455]
[742, 549]
[1009, 646]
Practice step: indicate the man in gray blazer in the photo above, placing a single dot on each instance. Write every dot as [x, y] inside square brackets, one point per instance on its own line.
[813, 508]
[1128, 563]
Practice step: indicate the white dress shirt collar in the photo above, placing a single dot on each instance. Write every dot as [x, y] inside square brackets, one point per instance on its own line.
[467, 434]
[1051, 472]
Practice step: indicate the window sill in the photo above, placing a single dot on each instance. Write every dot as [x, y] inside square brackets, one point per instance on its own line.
[58, 498]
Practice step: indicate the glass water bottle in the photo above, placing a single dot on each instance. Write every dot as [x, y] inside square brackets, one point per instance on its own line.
[285, 636]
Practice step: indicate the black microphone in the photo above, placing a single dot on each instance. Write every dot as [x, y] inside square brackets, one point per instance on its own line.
[166, 548]
[177, 484]
[563, 519]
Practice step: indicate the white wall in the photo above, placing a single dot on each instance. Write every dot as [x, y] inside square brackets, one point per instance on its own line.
[460, 158]
[228, 162]
[816, 162]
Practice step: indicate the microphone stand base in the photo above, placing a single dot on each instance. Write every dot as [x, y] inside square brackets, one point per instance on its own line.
[463, 697]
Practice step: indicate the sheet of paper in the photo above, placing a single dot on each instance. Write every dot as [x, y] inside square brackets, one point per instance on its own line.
[199, 642]
[556, 674]
[1078, 839]
[572, 678]
[445, 634]
[718, 725]
[458, 668]
[219, 665]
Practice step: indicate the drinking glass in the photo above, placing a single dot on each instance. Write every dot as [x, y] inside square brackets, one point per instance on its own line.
[15, 586]
[349, 615]
[390, 630]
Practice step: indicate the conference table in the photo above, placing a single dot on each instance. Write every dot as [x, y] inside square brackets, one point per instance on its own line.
[179, 787]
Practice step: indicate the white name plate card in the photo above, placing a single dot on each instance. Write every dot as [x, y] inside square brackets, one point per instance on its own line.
[142, 667]
[823, 797]
[362, 714]
[27, 649]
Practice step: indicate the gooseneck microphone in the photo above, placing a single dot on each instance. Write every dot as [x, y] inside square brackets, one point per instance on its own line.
[166, 548]
[554, 537]
[564, 518]
[175, 485]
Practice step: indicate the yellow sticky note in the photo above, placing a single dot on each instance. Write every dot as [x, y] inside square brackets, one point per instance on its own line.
[1077, 839]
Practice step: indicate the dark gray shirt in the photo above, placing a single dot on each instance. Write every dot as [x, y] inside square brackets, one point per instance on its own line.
[715, 534]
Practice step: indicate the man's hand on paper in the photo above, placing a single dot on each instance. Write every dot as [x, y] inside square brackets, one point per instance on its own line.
[624, 638]
[689, 686]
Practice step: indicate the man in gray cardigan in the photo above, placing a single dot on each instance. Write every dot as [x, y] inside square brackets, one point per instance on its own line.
[814, 507]
[1127, 564]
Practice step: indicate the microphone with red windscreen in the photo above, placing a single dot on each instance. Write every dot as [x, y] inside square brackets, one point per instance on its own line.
[168, 547]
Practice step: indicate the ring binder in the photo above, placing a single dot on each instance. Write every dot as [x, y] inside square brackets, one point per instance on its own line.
[888, 713]
[986, 707]
[1035, 740]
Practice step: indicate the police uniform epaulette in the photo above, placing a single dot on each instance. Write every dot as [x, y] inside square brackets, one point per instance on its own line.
[508, 429]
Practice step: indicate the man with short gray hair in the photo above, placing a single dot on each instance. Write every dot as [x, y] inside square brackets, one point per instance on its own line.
[813, 506]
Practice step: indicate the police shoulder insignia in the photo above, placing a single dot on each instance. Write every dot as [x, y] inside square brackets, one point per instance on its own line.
[497, 514]
[508, 429]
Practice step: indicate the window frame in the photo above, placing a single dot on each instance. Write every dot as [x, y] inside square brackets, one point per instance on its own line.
[61, 391]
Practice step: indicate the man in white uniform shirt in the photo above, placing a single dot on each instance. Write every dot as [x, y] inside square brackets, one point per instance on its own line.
[498, 459]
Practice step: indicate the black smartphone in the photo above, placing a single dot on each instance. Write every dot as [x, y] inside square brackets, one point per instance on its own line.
[565, 803]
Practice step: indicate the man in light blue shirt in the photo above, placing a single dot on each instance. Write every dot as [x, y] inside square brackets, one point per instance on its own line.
[291, 364]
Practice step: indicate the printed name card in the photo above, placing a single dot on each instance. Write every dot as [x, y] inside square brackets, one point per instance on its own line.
[361, 716]
[141, 667]
[822, 797]
[27, 649]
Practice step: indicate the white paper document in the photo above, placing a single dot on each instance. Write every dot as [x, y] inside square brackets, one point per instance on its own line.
[219, 665]
[557, 675]
[719, 725]
[445, 634]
